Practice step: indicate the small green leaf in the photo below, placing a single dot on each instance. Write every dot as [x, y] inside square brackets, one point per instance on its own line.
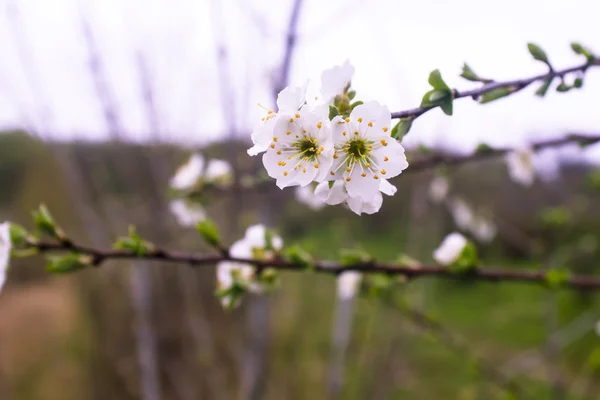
[435, 80]
[467, 261]
[19, 236]
[541, 91]
[556, 278]
[483, 148]
[581, 50]
[496, 94]
[44, 222]
[578, 83]
[351, 94]
[333, 112]
[402, 128]
[537, 53]
[68, 263]
[355, 104]
[563, 87]
[446, 105]
[354, 256]
[297, 255]
[555, 217]
[469, 75]
[134, 243]
[209, 232]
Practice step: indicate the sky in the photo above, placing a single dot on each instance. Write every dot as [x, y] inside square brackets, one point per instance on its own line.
[46, 85]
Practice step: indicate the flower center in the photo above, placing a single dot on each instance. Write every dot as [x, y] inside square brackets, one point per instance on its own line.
[307, 147]
[357, 149]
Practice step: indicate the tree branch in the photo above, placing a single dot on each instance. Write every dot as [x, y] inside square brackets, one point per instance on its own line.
[486, 274]
[516, 84]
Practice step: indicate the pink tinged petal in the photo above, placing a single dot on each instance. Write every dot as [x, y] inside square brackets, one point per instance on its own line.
[387, 188]
[359, 206]
[290, 99]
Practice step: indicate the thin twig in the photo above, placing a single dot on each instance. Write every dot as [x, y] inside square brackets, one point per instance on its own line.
[489, 274]
[516, 85]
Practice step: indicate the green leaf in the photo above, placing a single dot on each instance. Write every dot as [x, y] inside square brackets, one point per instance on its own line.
[355, 104]
[496, 94]
[578, 83]
[209, 232]
[134, 243]
[556, 278]
[297, 255]
[435, 80]
[44, 223]
[469, 75]
[541, 91]
[351, 94]
[563, 87]
[19, 236]
[537, 53]
[333, 112]
[483, 148]
[446, 105]
[581, 50]
[468, 259]
[402, 128]
[68, 263]
[555, 217]
[354, 256]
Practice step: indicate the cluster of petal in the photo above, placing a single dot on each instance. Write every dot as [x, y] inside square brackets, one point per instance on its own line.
[196, 170]
[450, 249]
[356, 152]
[253, 243]
[186, 213]
[348, 284]
[520, 166]
[5, 249]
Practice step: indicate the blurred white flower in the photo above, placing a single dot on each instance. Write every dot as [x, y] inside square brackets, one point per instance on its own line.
[483, 229]
[365, 153]
[438, 189]
[450, 249]
[461, 213]
[187, 214]
[188, 174]
[5, 249]
[520, 165]
[254, 242]
[348, 284]
[218, 171]
[335, 80]
[337, 194]
[306, 195]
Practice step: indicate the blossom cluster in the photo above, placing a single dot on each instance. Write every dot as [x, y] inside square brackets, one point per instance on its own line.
[197, 173]
[345, 147]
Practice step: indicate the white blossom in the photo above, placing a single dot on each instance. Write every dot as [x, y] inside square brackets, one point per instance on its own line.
[483, 229]
[306, 195]
[461, 213]
[450, 249]
[5, 249]
[301, 150]
[218, 171]
[347, 284]
[365, 153]
[289, 101]
[188, 174]
[337, 194]
[187, 214]
[335, 80]
[254, 242]
[438, 189]
[520, 165]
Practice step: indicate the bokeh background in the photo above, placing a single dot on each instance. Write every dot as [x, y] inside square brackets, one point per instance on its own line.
[101, 101]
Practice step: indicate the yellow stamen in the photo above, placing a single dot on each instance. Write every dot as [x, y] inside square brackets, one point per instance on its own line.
[319, 125]
[384, 142]
[385, 158]
[376, 177]
[275, 138]
[331, 173]
[272, 145]
[285, 173]
[316, 165]
[363, 174]
[348, 179]
[347, 119]
[385, 129]
[348, 169]
[297, 115]
[370, 124]
[359, 119]
[383, 172]
[278, 152]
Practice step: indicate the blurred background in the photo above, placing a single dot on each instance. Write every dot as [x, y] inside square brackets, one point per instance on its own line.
[101, 102]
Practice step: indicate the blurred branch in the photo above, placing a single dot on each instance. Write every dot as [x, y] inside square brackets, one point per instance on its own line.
[514, 85]
[489, 274]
